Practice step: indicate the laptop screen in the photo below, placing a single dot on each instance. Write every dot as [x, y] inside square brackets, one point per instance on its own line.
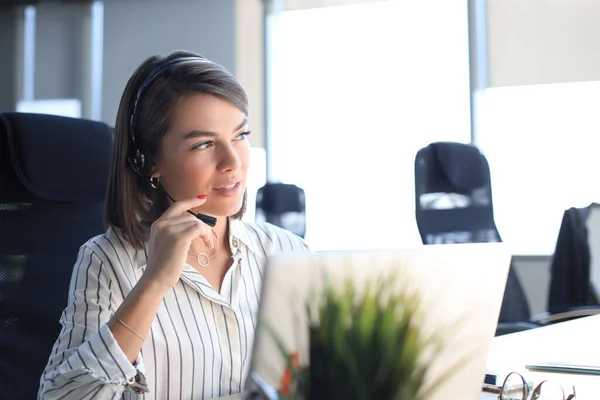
[460, 289]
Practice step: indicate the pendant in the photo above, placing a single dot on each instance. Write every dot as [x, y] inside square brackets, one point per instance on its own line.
[203, 256]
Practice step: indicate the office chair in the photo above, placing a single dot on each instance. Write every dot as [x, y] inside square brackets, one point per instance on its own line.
[53, 177]
[283, 205]
[454, 205]
[571, 293]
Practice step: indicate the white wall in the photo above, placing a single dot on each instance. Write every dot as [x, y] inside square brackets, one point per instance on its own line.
[58, 51]
[542, 41]
[250, 62]
[137, 29]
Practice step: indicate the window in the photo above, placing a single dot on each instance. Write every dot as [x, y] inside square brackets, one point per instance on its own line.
[540, 143]
[355, 91]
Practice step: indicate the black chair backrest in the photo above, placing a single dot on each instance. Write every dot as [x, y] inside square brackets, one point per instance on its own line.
[453, 198]
[53, 177]
[570, 268]
[453, 195]
[283, 205]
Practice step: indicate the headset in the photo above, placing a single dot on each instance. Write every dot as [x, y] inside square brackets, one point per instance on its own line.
[138, 159]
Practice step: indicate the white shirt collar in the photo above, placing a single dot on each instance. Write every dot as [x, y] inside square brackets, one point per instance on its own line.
[238, 233]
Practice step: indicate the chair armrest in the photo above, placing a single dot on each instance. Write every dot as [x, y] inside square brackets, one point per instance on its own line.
[504, 328]
[572, 313]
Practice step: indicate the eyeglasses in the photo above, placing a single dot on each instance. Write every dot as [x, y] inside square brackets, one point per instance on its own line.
[515, 388]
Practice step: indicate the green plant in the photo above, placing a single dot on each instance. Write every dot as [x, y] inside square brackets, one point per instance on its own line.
[365, 343]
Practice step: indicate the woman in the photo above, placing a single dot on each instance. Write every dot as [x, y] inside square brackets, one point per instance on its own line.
[164, 306]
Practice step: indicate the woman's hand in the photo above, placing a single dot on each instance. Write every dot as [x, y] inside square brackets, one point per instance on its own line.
[170, 239]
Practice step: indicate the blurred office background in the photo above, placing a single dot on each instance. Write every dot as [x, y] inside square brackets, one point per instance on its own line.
[345, 92]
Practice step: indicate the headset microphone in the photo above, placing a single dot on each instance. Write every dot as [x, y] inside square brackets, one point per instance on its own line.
[207, 219]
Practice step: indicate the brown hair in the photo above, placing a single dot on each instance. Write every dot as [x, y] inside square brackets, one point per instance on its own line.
[131, 202]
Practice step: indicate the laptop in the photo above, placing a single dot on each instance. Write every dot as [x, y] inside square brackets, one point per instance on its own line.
[461, 287]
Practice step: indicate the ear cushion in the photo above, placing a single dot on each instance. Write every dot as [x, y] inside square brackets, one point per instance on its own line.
[140, 164]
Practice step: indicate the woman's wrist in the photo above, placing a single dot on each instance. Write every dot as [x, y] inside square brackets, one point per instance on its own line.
[133, 319]
[151, 286]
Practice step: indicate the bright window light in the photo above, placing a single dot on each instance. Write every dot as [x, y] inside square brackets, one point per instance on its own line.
[355, 92]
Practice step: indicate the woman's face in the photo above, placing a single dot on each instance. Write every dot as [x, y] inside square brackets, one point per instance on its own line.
[206, 152]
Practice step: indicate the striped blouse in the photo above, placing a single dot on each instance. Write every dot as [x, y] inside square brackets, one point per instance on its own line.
[200, 343]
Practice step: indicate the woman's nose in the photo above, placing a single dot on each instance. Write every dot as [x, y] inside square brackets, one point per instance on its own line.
[230, 160]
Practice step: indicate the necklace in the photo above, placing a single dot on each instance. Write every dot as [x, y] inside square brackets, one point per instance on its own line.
[203, 258]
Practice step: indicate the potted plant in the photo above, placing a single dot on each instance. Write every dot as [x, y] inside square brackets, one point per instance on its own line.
[365, 342]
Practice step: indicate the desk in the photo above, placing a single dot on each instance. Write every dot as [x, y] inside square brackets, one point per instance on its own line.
[576, 342]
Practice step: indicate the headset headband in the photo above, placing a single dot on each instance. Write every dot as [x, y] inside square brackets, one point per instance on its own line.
[137, 158]
[158, 71]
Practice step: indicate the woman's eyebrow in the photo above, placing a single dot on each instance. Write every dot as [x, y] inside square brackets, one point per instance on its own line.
[196, 134]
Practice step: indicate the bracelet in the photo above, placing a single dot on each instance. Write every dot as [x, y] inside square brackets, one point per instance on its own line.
[128, 327]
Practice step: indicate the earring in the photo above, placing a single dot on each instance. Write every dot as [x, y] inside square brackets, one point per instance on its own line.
[154, 182]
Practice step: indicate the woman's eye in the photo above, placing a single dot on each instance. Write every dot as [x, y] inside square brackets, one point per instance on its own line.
[202, 146]
[243, 135]
[210, 143]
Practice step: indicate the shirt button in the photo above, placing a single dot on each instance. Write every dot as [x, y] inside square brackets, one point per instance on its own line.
[235, 243]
